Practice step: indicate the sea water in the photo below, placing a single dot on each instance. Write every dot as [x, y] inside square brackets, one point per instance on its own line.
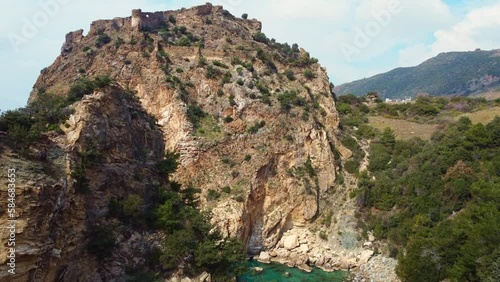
[275, 272]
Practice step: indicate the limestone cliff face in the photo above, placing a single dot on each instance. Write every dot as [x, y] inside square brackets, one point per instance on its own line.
[54, 215]
[254, 122]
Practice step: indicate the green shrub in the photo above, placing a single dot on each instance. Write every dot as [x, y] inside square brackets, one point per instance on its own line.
[309, 74]
[343, 108]
[100, 241]
[115, 208]
[266, 59]
[226, 189]
[226, 160]
[323, 235]
[288, 99]
[220, 64]
[289, 74]
[260, 37]
[226, 78]
[85, 86]
[195, 113]
[25, 125]
[184, 41]
[202, 62]
[168, 164]
[232, 102]
[212, 72]
[132, 207]
[118, 42]
[255, 128]
[22, 137]
[81, 181]
[102, 38]
[228, 119]
[244, 16]
[352, 166]
[212, 195]
[172, 19]
[248, 158]
[327, 220]
[239, 198]
[365, 131]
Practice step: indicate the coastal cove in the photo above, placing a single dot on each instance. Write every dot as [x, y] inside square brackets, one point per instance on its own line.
[281, 273]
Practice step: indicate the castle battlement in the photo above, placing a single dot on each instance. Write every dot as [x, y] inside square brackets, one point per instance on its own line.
[142, 20]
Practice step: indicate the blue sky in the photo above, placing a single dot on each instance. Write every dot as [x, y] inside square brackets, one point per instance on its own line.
[352, 38]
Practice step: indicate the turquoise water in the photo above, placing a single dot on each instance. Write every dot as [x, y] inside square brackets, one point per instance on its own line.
[276, 273]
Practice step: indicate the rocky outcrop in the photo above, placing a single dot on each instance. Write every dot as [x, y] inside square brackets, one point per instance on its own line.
[254, 121]
[378, 269]
[54, 214]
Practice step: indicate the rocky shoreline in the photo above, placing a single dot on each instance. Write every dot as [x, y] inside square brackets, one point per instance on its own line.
[304, 250]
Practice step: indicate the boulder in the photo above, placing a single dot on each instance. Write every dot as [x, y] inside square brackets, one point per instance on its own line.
[304, 248]
[205, 277]
[264, 257]
[291, 242]
[371, 238]
[365, 256]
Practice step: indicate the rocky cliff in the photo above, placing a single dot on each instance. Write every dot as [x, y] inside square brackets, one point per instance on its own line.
[254, 122]
[65, 183]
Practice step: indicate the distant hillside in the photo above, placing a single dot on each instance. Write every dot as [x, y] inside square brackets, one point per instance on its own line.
[454, 73]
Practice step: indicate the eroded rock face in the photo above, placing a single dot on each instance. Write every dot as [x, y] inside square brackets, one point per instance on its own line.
[265, 143]
[54, 216]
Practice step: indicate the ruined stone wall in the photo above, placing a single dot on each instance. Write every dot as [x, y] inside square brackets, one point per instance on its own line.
[142, 20]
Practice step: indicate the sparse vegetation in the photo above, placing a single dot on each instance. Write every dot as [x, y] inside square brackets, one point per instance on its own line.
[101, 241]
[290, 75]
[212, 195]
[309, 74]
[102, 38]
[118, 42]
[255, 128]
[260, 37]
[212, 72]
[171, 19]
[195, 113]
[86, 86]
[220, 65]
[290, 98]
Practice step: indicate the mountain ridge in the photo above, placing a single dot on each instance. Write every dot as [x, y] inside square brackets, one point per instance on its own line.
[447, 74]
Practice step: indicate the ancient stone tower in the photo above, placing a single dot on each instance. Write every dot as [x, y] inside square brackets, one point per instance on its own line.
[136, 18]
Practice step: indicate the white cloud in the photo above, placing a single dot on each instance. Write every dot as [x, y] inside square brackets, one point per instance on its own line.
[311, 9]
[479, 29]
[20, 69]
[414, 55]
